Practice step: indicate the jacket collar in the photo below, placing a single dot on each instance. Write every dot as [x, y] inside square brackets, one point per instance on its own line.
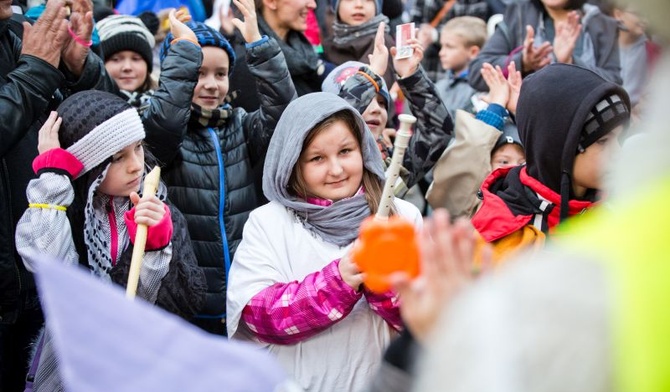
[513, 199]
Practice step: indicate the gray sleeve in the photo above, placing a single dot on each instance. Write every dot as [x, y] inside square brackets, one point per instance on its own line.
[155, 266]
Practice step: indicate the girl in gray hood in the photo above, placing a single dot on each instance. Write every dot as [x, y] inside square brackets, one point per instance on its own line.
[293, 287]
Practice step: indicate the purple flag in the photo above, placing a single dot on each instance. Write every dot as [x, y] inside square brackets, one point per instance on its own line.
[106, 342]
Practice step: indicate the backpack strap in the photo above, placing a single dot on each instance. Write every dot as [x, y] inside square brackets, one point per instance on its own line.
[448, 5]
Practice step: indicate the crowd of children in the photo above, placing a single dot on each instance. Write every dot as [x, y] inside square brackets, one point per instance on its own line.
[273, 153]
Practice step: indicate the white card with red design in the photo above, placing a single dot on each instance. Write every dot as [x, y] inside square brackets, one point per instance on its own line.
[403, 34]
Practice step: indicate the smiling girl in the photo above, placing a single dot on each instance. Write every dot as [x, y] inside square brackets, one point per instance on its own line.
[293, 287]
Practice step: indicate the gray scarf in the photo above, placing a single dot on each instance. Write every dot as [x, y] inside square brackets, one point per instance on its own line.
[344, 33]
[339, 222]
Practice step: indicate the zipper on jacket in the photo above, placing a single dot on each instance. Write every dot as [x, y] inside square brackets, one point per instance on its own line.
[222, 204]
[114, 243]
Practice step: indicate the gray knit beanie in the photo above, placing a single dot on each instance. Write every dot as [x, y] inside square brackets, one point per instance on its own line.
[124, 32]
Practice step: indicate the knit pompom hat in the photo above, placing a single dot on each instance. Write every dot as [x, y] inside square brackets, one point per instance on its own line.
[334, 4]
[336, 78]
[206, 36]
[123, 32]
[96, 125]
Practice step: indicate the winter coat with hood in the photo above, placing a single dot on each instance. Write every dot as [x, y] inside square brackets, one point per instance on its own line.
[598, 42]
[29, 89]
[522, 204]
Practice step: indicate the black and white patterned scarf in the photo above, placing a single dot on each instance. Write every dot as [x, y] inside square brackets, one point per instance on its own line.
[97, 229]
[210, 118]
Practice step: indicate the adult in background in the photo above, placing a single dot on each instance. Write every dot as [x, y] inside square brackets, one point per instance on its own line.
[536, 33]
[38, 68]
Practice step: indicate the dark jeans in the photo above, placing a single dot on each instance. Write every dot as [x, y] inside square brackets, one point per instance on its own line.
[15, 341]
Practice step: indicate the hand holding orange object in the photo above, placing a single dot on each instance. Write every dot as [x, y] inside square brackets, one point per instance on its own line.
[385, 247]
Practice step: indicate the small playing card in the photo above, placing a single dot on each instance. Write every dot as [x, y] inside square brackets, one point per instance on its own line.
[403, 33]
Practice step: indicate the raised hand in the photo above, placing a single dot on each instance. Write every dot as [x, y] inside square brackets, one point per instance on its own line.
[447, 267]
[178, 28]
[567, 33]
[77, 47]
[514, 80]
[407, 66]
[47, 37]
[380, 55]
[499, 89]
[248, 27]
[47, 138]
[534, 58]
[148, 211]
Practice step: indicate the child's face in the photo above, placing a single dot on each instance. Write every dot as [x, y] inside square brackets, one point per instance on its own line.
[356, 12]
[454, 54]
[290, 14]
[588, 170]
[507, 155]
[212, 84]
[125, 171]
[128, 69]
[375, 115]
[332, 164]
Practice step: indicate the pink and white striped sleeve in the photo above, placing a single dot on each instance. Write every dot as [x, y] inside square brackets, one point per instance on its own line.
[287, 313]
[386, 305]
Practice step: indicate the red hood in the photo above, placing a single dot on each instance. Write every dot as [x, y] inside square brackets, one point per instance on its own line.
[495, 219]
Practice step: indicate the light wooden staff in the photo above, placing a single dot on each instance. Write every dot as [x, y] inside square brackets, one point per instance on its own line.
[149, 189]
[393, 171]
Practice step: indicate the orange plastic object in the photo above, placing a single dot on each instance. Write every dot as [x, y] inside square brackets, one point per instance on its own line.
[384, 248]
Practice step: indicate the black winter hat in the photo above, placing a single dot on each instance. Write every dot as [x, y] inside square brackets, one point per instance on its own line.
[123, 32]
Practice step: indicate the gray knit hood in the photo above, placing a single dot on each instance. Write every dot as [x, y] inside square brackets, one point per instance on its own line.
[339, 222]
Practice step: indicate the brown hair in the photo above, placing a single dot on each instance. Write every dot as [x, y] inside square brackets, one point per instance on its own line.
[372, 184]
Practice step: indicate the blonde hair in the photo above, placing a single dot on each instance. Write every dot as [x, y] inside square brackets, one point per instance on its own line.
[372, 184]
[471, 29]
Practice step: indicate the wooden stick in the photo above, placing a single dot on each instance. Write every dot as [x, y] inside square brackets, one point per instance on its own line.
[393, 171]
[150, 185]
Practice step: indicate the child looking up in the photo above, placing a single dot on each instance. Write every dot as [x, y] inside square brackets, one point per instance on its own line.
[211, 178]
[84, 209]
[461, 40]
[293, 287]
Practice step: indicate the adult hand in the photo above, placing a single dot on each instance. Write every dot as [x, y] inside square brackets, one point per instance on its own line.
[350, 273]
[514, 80]
[248, 27]
[81, 25]
[47, 138]
[499, 89]
[380, 55]
[47, 37]
[178, 28]
[148, 211]
[407, 66]
[534, 58]
[447, 261]
[567, 33]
